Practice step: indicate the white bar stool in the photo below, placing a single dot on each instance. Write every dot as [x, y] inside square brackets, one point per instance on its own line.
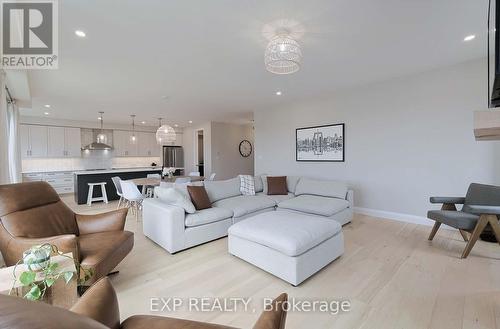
[90, 197]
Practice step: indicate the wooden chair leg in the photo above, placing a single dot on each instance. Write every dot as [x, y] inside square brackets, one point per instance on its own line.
[495, 226]
[481, 224]
[434, 230]
[464, 235]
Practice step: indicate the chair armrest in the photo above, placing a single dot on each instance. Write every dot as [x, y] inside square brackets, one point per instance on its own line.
[65, 243]
[100, 303]
[488, 210]
[441, 199]
[105, 222]
[164, 224]
[350, 198]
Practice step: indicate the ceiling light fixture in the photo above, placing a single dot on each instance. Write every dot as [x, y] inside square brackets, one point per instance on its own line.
[190, 121]
[133, 138]
[47, 105]
[165, 133]
[143, 122]
[176, 125]
[283, 54]
[101, 137]
[80, 33]
[46, 113]
[278, 93]
[470, 37]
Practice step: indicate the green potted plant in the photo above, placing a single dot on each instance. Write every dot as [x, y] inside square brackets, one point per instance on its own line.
[43, 272]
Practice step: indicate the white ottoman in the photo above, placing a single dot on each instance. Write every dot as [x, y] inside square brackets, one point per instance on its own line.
[289, 245]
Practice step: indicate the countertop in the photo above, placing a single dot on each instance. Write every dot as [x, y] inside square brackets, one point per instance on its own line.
[115, 170]
[87, 171]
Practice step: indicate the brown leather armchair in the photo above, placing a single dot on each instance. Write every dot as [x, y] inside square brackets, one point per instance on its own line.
[98, 309]
[32, 213]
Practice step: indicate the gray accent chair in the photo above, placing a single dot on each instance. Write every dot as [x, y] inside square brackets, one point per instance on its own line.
[481, 208]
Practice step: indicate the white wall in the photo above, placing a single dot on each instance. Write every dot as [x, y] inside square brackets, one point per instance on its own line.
[406, 139]
[227, 161]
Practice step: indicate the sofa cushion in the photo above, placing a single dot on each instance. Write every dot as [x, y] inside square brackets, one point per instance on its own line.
[243, 205]
[289, 233]
[278, 198]
[104, 251]
[223, 189]
[291, 183]
[276, 185]
[325, 188]
[313, 204]
[206, 216]
[247, 185]
[175, 197]
[199, 197]
[259, 187]
[456, 219]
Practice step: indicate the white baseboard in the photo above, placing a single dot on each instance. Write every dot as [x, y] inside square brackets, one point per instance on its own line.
[397, 216]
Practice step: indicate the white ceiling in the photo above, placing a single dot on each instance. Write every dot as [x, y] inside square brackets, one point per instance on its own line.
[207, 56]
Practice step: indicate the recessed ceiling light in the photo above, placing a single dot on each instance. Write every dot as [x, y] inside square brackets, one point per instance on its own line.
[46, 113]
[47, 105]
[190, 121]
[99, 118]
[143, 122]
[278, 93]
[80, 33]
[470, 37]
[176, 125]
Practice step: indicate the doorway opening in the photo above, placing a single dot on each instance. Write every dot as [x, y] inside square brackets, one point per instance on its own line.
[200, 161]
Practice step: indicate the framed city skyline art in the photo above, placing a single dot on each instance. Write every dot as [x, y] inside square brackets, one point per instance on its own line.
[320, 143]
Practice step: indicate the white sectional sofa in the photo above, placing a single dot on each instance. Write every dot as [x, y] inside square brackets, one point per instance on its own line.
[174, 230]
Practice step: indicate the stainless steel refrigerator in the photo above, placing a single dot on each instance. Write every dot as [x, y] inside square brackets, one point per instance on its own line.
[173, 156]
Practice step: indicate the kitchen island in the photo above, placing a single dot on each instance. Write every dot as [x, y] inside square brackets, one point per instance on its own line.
[82, 178]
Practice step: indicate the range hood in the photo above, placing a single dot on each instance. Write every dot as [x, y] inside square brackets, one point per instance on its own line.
[487, 125]
[96, 146]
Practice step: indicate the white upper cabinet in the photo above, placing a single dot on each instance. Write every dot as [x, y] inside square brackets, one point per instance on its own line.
[122, 145]
[33, 141]
[52, 142]
[147, 145]
[73, 142]
[56, 142]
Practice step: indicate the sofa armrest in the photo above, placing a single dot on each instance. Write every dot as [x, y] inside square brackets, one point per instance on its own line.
[452, 200]
[16, 246]
[350, 198]
[164, 224]
[487, 210]
[108, 221]
[100, 303]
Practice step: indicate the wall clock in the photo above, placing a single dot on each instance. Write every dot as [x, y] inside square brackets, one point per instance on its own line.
[245, 148]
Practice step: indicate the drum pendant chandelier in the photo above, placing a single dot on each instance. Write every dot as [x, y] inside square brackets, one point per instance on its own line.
[165, 134]
[283, 54]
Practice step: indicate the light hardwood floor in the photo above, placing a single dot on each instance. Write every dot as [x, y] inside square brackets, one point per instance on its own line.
[393, 277]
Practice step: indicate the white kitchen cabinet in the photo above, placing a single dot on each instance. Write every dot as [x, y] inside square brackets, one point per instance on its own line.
[122, 145]
[56, 143]
[147, 145]
[61, 181]
[73, 142]
[33, 141]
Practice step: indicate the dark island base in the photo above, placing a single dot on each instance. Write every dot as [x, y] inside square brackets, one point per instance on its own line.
[82, 188]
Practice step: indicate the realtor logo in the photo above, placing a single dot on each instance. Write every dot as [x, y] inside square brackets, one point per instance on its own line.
[29, 34]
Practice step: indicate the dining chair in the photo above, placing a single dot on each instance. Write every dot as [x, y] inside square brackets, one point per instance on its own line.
[133, 197]
[212, 176]
[182, 180]
[194, 174]
[117, 182]
[150, 189]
